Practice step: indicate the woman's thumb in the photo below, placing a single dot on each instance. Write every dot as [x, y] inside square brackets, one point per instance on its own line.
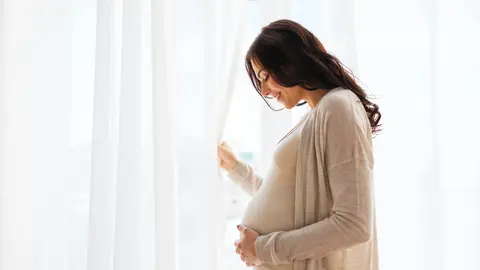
[225, 144]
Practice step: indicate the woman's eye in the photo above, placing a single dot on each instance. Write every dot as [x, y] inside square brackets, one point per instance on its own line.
[266, 78]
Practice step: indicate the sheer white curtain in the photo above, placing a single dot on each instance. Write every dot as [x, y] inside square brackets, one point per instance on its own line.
[156, 132]
[37, 179]
[109, 121]
[421, 59]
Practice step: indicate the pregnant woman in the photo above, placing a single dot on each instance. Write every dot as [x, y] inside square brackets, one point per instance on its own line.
[314, 209]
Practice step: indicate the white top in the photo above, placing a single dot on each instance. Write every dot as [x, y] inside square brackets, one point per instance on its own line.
[273, 206]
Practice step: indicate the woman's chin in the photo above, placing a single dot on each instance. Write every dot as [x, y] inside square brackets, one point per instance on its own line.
[285, 104]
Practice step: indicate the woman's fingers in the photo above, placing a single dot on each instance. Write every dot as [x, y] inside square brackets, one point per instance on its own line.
[227, 158]
[219, 151]
[223, 153]
[237, 246]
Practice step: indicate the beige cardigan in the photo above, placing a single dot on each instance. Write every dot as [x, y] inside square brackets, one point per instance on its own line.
[334, 206]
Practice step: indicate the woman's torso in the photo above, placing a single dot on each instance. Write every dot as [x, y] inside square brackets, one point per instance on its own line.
[273, 206]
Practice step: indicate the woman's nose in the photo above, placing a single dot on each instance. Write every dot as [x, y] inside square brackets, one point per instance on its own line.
[264, 90]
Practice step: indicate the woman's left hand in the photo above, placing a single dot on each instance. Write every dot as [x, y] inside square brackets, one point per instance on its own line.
[245, 247]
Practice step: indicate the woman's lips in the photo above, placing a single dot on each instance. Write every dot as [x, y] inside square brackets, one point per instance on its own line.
[277, 96]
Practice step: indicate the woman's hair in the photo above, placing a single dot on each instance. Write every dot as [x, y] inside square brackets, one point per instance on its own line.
[294, 56]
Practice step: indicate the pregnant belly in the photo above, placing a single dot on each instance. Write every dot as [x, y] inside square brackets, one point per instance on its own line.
[271, 209]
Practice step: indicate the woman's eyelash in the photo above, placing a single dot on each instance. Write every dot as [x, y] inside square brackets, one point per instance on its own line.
[265, 79]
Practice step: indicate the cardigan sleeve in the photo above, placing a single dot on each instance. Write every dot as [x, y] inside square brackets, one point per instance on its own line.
[348, 163]
[244, 176]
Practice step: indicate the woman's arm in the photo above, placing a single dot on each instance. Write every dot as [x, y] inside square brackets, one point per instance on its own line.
[349, 166]
[244, 176]
[241, 173]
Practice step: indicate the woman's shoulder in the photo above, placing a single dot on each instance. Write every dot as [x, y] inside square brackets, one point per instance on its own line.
[336, 101]
[339, 107]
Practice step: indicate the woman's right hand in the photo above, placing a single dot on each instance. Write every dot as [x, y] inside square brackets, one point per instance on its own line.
[226, 157]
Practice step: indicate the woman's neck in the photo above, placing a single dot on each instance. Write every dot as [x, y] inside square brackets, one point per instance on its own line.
[313, 97]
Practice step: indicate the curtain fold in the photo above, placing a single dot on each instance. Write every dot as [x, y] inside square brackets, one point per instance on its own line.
[164, 167]
[102, 201]
[3, 124]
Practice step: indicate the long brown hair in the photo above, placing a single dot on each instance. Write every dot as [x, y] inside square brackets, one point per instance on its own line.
[294, 56]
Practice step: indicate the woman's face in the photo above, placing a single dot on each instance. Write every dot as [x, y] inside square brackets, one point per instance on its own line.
[288, 96]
